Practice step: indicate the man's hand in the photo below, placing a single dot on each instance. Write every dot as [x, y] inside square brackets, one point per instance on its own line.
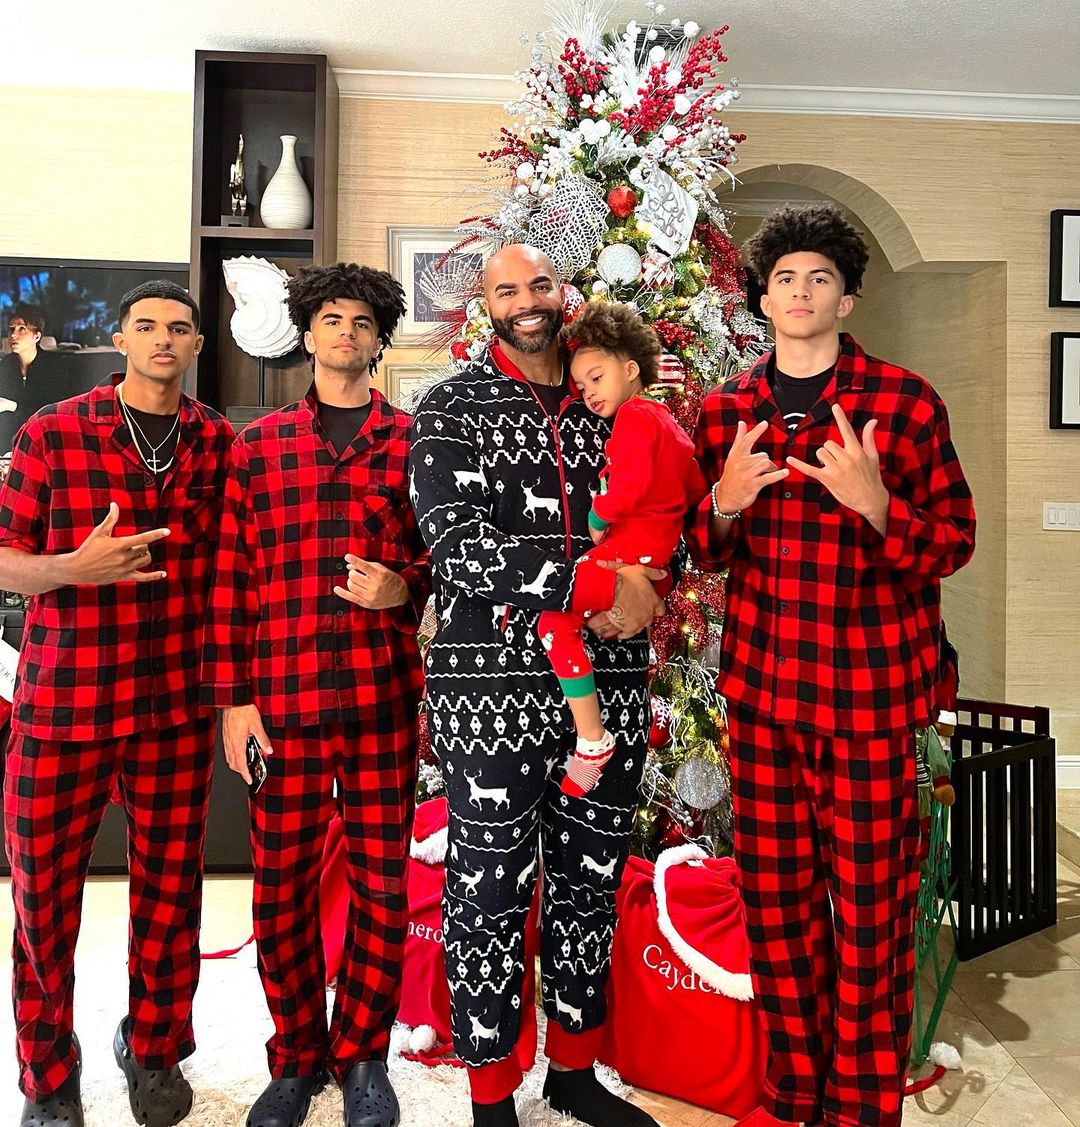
[636, 601]
[236, 725]
[597, 534]
[852, 472]
[372, 586]
[103, 558]
[602, 626]
[745, 473]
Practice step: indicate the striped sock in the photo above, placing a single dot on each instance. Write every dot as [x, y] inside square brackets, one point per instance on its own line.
[584, 767]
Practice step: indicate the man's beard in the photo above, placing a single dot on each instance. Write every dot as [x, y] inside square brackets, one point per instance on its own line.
[529, 343]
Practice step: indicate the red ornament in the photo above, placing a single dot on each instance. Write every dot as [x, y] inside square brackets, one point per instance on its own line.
[573, 301]
[622, 199]
[660, 732]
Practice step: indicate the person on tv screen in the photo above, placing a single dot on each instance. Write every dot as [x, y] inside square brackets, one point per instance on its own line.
[27, 374]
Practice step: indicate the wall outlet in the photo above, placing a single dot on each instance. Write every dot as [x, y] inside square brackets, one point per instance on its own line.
[1061, 516]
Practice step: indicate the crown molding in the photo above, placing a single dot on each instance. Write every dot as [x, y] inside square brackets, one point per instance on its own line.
[423, 86]
[495, 89]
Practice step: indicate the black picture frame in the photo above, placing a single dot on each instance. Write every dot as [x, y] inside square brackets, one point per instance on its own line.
[1065, 381]
[1065, 258]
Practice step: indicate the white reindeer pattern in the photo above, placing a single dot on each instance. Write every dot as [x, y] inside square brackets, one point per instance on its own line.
[481, 1032]
[470, 881]
[479, 794]
[533, 502]
[539, 586]
[468, 477]
[607, 870]
[564, 1008]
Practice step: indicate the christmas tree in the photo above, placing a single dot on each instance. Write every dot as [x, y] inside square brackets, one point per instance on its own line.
[610, 167]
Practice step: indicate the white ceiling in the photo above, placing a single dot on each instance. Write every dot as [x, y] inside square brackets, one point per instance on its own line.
[869, 49]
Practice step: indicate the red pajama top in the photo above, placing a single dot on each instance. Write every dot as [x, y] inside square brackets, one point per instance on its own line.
[830, 626]
[650, 480]
[100, 662]
[277, 635]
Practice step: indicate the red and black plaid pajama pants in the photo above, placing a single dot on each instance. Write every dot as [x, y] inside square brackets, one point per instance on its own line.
[55, 795]
[374, 767]
[826, 836]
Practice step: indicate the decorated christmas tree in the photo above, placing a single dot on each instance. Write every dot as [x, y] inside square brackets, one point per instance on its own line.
[611, 166]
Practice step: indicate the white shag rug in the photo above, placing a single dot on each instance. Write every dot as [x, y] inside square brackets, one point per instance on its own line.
[228, 1070]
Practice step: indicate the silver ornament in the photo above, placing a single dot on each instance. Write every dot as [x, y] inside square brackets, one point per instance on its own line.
[699, 783]
[619, 264]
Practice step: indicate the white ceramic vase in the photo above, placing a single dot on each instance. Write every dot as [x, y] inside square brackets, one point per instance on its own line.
[286, 202]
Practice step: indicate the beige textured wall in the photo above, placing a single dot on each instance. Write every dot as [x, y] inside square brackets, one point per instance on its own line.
[95, 174]
[107, 175]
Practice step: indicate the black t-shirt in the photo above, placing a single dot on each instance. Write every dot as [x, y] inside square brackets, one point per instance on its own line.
[550, 397]
[795, 395]
[343, 424]
[155, 428]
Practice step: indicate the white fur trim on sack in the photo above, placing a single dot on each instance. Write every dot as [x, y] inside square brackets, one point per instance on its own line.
[432, 850]
[944, 1055]
[737, 986]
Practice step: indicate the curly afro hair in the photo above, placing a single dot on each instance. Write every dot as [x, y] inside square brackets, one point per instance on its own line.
[819, 228]
[314, 286]
[617, 329]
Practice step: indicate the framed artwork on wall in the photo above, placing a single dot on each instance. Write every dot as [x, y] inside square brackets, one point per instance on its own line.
[413, 254]
[404, 381]
[1065, 381]
[1065, 258]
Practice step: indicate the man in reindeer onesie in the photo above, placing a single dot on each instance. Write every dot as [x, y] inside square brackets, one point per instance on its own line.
[504, 463]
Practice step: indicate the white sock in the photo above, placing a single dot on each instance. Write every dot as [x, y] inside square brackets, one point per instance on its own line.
[585, 766]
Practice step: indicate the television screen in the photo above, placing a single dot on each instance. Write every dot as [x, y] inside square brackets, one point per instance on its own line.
[74, 306]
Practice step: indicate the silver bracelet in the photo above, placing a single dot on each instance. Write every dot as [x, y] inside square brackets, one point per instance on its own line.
[716, 509]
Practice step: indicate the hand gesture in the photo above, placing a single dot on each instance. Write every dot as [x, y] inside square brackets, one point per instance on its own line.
[746, 473]
[852, 472]
[372, 586]
[236, 725]
[103, 558]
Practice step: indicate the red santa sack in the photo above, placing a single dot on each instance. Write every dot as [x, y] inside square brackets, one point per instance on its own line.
[681, 1014]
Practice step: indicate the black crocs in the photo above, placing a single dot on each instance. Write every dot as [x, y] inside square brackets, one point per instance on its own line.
[159, 1097]
[369, 1097]
[62, 1109]
[285, 1102]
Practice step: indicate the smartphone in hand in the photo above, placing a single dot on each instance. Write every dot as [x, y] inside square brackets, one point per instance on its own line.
[256, 763]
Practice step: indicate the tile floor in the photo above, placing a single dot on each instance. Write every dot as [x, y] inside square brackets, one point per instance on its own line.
[1014, 1015]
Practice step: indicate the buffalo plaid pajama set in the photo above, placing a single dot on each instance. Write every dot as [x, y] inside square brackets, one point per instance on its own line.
[338, 687]
[107, 693]
[829, 657]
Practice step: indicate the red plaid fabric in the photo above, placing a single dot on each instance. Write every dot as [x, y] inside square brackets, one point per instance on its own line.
[164, 783]
[374, 766]
[831, 627]
[277, 635]
[102, 662]
[826, 836]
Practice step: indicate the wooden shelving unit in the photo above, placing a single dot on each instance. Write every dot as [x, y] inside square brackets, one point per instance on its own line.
[262, 95]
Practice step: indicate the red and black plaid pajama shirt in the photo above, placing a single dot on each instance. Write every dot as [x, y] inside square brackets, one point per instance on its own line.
[107, 693]
[338, 688]
[829, 656]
